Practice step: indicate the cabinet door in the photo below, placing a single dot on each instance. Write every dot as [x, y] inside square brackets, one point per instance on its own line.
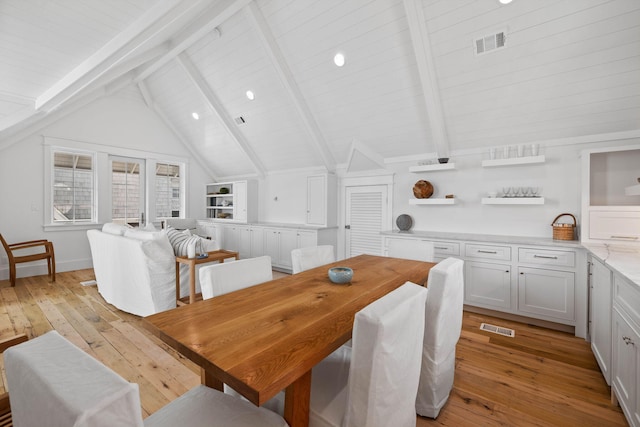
[244, 242]
[600, 322]
[546, 292]
[487, 284]
[626, 360]
[231, 238]
[272, 245]
[288, 242]
[614, 225]
[257, 241]
[317, 200]
[240, 201]
[307, 238]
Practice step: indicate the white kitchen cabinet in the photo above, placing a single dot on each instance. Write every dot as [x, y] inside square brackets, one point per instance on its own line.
[257, 241]
[546, 292]
[322, 200]
[625, 367]
[621, 224]
[600, 316]
[278, 244]
[307, 238]
[487, 285]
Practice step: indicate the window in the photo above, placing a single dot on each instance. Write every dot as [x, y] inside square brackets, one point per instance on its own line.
[127, 190]
[168, 190]
[73, 188]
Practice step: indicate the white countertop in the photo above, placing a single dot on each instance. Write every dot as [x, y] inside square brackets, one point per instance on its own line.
[490, 238]
[625, 260]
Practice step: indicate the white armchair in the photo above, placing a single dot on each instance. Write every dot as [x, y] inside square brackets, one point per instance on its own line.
[53, 383]
[311, 257]
[443, 323]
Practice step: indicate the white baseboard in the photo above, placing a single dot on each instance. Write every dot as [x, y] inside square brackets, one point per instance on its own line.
[39, 268]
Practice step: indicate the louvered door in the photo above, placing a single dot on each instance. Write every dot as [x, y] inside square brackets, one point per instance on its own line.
[366, 217]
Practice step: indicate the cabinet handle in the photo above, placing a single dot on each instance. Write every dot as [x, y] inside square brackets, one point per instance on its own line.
[545, 256]
[486, 252]
[506, 271]
[439, 247]
[521, 273]
[628, 340]
[625, 237]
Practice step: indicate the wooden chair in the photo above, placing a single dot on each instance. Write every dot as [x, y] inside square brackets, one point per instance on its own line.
[48, 254]
[5, 408]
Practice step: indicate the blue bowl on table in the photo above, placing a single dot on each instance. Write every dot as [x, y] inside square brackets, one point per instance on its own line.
[340, 275]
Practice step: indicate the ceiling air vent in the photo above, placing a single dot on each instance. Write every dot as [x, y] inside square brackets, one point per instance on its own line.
[490, 43]
[239, 120]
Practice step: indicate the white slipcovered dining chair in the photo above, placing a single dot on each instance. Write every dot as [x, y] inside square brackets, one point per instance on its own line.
[220, 279]
[373, 383]
[53, 383]
[417, 250]
[311, 257]
[443, 323]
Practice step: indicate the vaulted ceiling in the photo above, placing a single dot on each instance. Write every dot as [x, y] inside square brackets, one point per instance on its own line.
[412, 83]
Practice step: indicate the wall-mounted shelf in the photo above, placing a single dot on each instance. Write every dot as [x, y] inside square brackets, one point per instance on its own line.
[432, 201]
[513, 200]
[633, 190]
[432, 168]
[513, 161]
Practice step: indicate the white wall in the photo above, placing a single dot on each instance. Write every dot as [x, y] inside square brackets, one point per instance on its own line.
[558, 179]
[115, 121]
[282, 197]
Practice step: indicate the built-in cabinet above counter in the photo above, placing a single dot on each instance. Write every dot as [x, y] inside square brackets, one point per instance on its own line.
[610, 212]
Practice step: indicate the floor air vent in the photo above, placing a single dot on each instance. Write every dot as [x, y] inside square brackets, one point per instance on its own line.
[498, 330]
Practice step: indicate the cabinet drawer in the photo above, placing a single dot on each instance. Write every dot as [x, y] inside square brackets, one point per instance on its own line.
[446, 248]
[502, 253]
[547, 257]
[627, 296]
[615, 225]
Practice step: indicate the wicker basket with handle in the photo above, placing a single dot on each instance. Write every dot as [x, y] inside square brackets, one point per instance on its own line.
[563, 231]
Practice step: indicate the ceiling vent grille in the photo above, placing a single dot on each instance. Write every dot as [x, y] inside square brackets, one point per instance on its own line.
[490, 43]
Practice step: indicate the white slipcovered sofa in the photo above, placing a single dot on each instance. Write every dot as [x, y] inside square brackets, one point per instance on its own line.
[135, 269]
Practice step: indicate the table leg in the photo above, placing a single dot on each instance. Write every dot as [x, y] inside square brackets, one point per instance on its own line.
[296, 401]
[177, 282]
[192, 282]
[211, 381]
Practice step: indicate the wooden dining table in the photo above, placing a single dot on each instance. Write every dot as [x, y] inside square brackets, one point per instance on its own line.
[267, 338]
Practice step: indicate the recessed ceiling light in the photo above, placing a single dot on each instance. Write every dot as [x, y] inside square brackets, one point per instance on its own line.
[250, 95]
[339, 59]
[505, 1]
[195, 116]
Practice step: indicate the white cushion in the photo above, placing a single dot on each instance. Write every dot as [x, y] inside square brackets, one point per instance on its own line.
[219, 279]
[205, 407]
[53, 383]
[113, 228]
[182, 223]
[138, 234]
[443, 323]
[303, 259]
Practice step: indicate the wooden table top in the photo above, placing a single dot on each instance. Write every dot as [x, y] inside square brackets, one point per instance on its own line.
[259, 340]
[216, 255]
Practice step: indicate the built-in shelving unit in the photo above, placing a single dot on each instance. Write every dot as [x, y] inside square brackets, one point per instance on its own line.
[513, 161]
[513, 201]
[633, 190]
[432, 201]
[432, 168]
[220, 200]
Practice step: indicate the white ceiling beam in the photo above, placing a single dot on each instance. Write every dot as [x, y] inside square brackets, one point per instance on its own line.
[142, 35]
[428, 75]
[205, 24]
[217, 107]
[286, 76]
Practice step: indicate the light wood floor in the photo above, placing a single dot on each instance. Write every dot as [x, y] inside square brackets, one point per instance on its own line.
[539, 378]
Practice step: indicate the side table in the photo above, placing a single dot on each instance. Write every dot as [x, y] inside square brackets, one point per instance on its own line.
[213, 256]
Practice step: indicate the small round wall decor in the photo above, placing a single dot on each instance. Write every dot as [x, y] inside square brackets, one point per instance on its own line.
[404, 222]
[422, 189]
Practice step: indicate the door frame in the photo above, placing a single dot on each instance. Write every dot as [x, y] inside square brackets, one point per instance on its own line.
[361, 181]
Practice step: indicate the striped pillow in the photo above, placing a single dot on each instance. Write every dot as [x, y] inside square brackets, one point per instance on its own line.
[181, 241]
